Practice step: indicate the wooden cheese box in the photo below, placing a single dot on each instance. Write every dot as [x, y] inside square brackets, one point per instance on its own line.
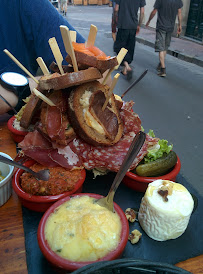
[93, 2]
[105, 2]
[77, 2]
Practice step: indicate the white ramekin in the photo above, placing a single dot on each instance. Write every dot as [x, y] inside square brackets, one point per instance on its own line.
[5, 184]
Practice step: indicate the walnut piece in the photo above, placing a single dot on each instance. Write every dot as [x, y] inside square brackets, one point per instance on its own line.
[167, 185]
[134, 236]
[130, 215]
[165, 189]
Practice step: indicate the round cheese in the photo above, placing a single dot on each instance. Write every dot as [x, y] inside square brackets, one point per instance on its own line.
[165, 210]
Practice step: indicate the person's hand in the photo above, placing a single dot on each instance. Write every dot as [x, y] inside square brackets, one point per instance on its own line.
[179, 30]
[138, 29]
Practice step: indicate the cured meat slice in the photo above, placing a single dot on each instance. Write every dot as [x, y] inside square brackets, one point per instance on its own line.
[35, 140]
[90, 50]
[106, 118]
[54, 120]
[37, 147]
[78, 153]
[107, 157]
[131, 120]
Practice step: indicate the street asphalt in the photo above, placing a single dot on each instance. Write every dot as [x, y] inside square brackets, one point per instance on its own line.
[171, 106]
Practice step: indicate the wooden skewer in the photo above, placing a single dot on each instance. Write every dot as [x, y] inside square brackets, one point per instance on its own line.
[57, 53]
[43, 66]
[122, 53]
[92, 36]
[73, 34]
[115, 79]
[43, 97]
[68, 45]
[120, 57]
[20, 65]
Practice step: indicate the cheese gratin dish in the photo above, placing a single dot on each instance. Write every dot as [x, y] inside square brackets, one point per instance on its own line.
[81, 230]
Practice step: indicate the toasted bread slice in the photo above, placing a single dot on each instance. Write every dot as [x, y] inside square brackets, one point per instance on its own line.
[54, 68]
[29, 111]
[91, 56]
[85, 113]
[86, 61]
[57, 81]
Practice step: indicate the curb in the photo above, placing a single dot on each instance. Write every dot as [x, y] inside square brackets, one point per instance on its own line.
[187, 58]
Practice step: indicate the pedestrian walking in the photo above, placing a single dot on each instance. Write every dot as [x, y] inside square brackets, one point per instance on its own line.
[63, 6]
[128, 26]
[167, 12]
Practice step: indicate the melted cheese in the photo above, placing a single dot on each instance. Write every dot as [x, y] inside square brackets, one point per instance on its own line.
[90, 120]
[118, 98]
[163, 220]
[81, 230]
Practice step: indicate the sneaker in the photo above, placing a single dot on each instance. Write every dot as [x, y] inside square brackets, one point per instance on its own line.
[158, 68]
[162, 72]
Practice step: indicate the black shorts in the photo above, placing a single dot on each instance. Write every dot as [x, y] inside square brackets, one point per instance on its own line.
[163, 40]
[126, 38]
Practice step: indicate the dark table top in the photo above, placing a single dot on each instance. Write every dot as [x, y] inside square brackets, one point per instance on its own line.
[189, 245]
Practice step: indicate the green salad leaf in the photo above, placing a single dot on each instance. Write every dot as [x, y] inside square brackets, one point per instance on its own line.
[158, 150]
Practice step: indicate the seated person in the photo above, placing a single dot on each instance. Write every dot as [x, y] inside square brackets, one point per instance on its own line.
[26, 27]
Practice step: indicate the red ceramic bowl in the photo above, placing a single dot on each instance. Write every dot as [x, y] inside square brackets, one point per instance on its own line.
[140, 183]
[17, 135]
[41, 203]
[67, 265]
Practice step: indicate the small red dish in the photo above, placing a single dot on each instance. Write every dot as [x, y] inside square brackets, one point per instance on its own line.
[17, 135]
[65, 265]
[41, 203]
[140, 183]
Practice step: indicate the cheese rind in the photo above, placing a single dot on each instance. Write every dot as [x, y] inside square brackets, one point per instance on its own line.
[165, 218]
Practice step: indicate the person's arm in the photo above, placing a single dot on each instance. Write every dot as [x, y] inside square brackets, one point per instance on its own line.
[41, 21]
[151, 16]
[10, 97]
[179, 29]
[115, 14]
[140, 19]
[116, 7]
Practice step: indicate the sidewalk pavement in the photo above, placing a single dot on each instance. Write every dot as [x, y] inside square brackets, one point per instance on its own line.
[182, 48]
